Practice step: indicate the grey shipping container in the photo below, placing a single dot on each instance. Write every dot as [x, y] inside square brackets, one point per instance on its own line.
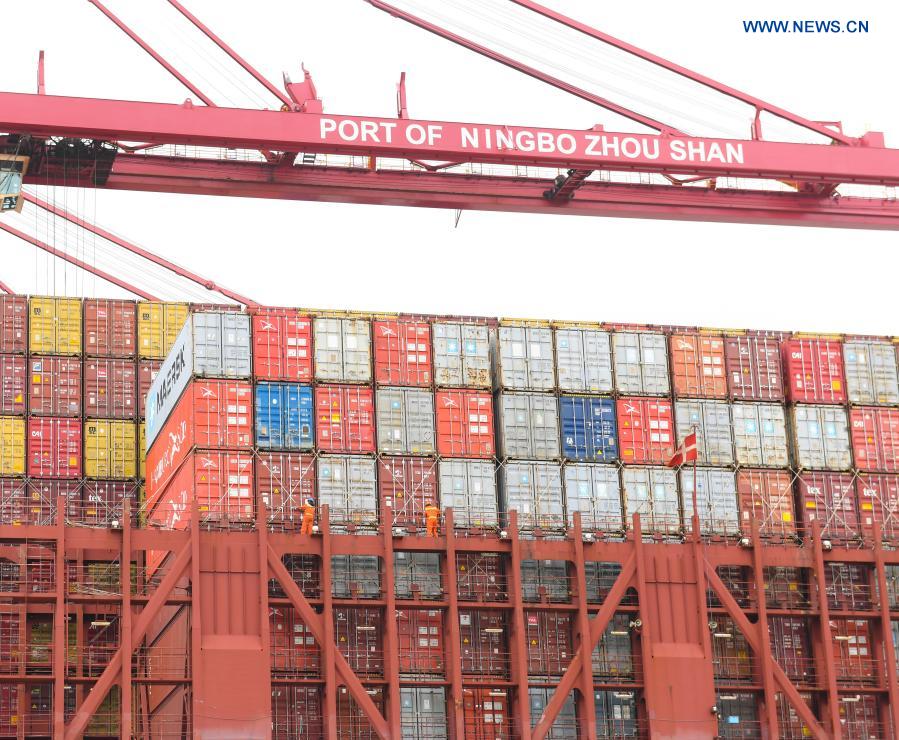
[584, 360]
[714, 434]
[524, 358]
[342, 350]
[423, 713]
[405, 420]
[461, 355]
[528, 426]
[821, 438]
[565, 726]
[222, 346]
[469, 488]
[716, 499]
[534, 490]
[760, 434]
[652, 493]
[355, 576]
[641, 363]
[417, 572]
[871, 374]
[594, 491]
[347, 485]
[544, 578]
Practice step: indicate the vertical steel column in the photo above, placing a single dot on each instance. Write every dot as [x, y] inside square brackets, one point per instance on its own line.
[886, 627]
[262, 532]
[59, 621]
[701, 594]
[518, 641]
[451, 630]
[328, 647]
[764, 652]
[587, 703]
[826, 637]
[125, 579]
[22, 709]
[646, 630]
[391, 637]
[196, 637]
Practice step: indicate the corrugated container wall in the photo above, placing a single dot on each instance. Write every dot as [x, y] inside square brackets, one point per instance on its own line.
[754, 368]
[829, 498]
[534, 490]
[405, 421]
[875, 439]
[821, 438]
[147, 370]
[766, 496]
[528, 426]
[221, 345]
[407, 484]
[645, 430]
[814, 370]
[13, 324]
[284, 416]
[697, 365]
[344, 418]
[110, 389]
[348, 486]
[714, 434]
[760, 435]
[13, 385]
[469, 488]
[110, 328]
[461, 355]
[285, 480]
[878, 501]
[588, 428]
[716, 500]
[12, 445]
[402, 353]
[282, 345]
[524, 358]
[55, 447]
[584, 360]
[594, 491]
[871, 373]
[464, 423]
[158, 326]
[54, 386]
[110, 449]
[54, 326]
[641, 363]
[342, 350]
[652, 493]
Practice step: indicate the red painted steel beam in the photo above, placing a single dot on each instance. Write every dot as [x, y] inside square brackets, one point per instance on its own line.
[518, 657]
[886, 628]
[60, 638]
[117, 120]
[587, 703]
[453, 633]
[327, 644]
[763, 655]
[491, 193]
[824, 649]
[6, 289]
[126, 722]
[391, 632]
[139, 251]
[77, 262]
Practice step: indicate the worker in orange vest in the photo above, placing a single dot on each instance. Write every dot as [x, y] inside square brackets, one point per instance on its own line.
[308, 516]
[432, 518]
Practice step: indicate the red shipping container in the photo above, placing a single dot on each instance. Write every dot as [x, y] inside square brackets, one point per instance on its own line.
[13, 324]
[345, 418]
[359, 636]
[55, 386]
[878, 501]
[285, 480]
[296, 712]
[790, 725]
[103, 502]
[147, 370]
[221, 481]
[464, 423]
[485, 647]
[43, 496]
[814, 370]
[549, 642]
[486, 714]
[852, 651]
[110, 389]
[848, 586]
[829, 498]
[406, 484]
[282, 345]
[13, 384]
[13, 500]
[697, 365]
[790, 647]
[9, 699]
[645, 430]
[480, 577]
[294, 651]
[420, 640]
[875, 438]
[211, 414]
[351, 720]
[754, 368]
[54, 447]
[766, 496]
[786, 588]
[110, 328]
[402, 353]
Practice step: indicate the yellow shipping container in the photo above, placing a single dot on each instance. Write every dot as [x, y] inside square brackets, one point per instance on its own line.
[110, 449]
[54, 326]
[142, 450]
[158, 326]
[12, 445]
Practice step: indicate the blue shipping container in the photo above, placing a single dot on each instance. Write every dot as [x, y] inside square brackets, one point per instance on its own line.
[284, 416]
[588, 427]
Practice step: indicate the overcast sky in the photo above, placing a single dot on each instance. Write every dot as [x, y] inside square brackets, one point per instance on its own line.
[388, 258]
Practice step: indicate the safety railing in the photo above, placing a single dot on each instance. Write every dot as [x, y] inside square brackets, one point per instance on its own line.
[418, 586]
[160, 663]
[481, 586]
[296, 661]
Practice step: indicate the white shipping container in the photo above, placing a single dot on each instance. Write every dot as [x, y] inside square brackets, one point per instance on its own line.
[469, 488]
[871, 373]
[534, 490]
[760, 435]
[347, 484]
[594, 491]
[821, 436]
[652, 493]
[222, 345]
[584, 360]
[405, 419]
[529, 426]
[461, 355]
[342, 350]
[714, 434]
[716, 499]
[524, 358]
[641, 363]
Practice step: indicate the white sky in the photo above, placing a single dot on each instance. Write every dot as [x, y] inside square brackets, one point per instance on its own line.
[387, 258]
